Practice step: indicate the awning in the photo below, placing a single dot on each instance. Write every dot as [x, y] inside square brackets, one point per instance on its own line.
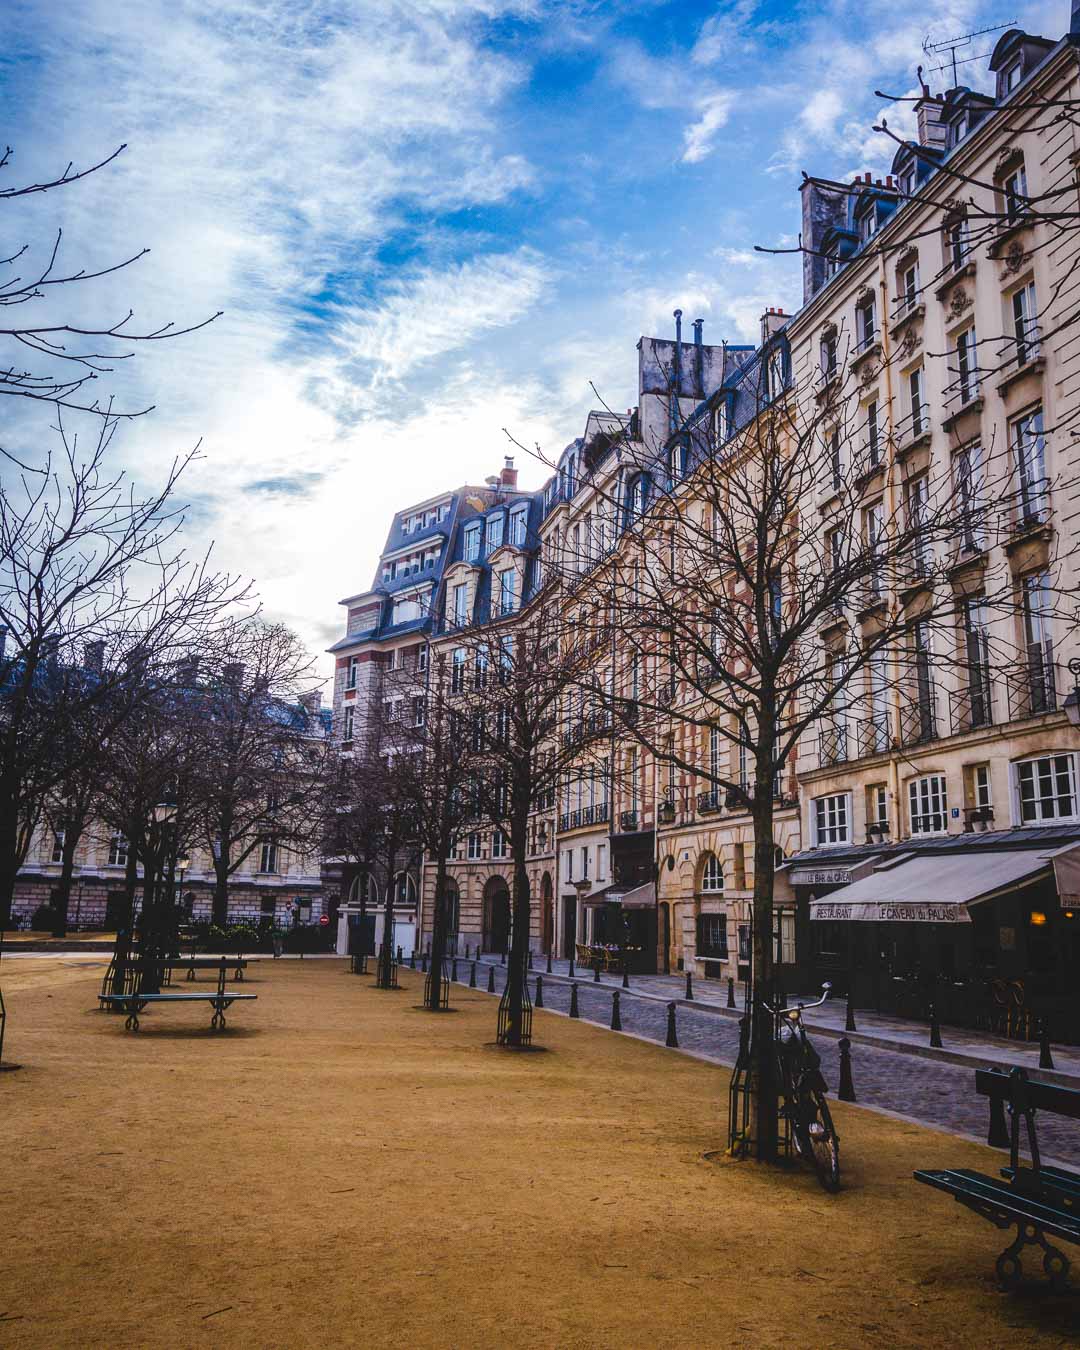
[641, 897]
[932, 888]
[594, 899]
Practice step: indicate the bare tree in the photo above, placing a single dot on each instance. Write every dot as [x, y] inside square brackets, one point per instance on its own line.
[67, 357]
[87, 565]
[260, 773]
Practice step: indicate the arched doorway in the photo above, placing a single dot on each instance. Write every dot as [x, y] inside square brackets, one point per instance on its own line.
[496, 929]
[547, 910]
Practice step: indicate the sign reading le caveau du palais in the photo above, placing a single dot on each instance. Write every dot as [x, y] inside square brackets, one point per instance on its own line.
[881, 911]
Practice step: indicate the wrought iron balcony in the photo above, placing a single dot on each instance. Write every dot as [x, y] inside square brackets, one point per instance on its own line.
[919, 721]
[872, 734]
[628, 822]
[708, 801]
[833, 743]
[972, 706]
[1033, 688]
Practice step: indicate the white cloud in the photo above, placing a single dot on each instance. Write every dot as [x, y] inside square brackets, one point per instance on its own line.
[713, 112]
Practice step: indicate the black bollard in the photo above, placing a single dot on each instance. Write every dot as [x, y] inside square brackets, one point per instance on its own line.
[846, 1090]
[571, 967]
[849, 1019]
[935, 1029]
[538, 1002]
[998, 1137]
[596, 974]
[573, 1001]
[625, 978]
[466, 951]
[412, 959]
[1046, 1059]
[453, 968]
[689, 987]
[530, 958]
[730, 992]
[616, 1019]
[491, 979]
[548, 971]
[502, 958]
[400, 957]
[672, 1041]
[472, 976]
[423, 963]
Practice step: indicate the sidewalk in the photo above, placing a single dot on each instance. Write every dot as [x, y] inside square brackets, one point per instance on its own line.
[960, 1045]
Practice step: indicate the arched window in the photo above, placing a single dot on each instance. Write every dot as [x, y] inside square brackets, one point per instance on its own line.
[404, 889]
[712, 875]
[364, 890]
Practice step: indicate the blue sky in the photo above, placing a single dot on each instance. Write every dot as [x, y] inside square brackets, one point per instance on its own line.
[425, 222]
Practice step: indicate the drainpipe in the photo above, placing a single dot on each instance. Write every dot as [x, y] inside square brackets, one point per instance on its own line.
[699, 356]
[676, 383]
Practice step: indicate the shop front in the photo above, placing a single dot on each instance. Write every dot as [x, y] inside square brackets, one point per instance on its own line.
[985, 929]
[621, 929]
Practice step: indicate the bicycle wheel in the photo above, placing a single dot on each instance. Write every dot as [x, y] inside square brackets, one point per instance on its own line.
[823, 1140]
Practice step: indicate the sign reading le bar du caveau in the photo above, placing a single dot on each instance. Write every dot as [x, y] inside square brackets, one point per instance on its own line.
[880, 911]
[821, 876]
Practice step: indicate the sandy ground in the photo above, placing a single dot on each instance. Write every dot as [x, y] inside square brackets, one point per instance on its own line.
[341, 1169]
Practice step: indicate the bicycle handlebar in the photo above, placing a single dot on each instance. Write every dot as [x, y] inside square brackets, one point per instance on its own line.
[800, 1007]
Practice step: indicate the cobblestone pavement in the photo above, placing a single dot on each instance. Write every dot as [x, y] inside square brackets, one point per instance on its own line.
[882, 1029]
[936, 1093]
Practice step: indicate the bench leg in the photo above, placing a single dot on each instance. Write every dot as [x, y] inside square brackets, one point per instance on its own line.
[1010, 1270]
[217, 1022]
[191, 974]
[131, 1021]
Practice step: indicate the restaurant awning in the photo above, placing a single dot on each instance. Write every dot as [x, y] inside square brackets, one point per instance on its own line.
[593, 899]
[933, 888]
[641, 897]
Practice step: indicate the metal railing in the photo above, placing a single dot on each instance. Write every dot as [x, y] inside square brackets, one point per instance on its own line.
[708, 801]
[1033, 688]
[872, 734]
[833, 743]
[919, 721]
[913, 425]
[972, 706]
[628, 821]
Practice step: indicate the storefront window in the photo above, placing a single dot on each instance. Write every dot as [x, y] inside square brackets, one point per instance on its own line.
[712, 935]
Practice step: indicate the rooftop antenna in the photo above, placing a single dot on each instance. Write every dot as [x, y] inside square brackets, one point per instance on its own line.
[954, 44]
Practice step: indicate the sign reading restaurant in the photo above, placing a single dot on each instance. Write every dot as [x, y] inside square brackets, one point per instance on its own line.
[883, 911]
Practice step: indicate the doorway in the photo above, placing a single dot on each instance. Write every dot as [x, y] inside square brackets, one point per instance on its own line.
[569, 926]
[496, 919]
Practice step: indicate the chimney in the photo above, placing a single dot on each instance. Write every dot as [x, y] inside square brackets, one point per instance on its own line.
[932, 131]
[699, 359]
[311, 702]
[823, 207]
[94, 656]
[772, 321]
[508, 476]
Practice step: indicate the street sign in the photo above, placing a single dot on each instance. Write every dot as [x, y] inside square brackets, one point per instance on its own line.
[324, 919]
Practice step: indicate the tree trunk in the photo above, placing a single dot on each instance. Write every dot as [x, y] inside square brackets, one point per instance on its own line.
[438, 934]
[763, 1058]
[72, 835]
[219, 912]
[9, 864]
[518, 962]
[386, 957]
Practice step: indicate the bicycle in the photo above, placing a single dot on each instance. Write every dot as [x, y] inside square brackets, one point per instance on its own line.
[804, 1088]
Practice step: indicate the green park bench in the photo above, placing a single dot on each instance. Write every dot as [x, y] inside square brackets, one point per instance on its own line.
[134, 1003]
[1042, 1202]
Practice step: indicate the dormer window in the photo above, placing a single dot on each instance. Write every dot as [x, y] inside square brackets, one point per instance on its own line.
[519, 524]
[867, 225]
[680, 459]
[961, 127]
[774, 374]
[472, 541]
[494, 533]
[637, 497]
[1009, 78]
[907, 182]
[571, 481]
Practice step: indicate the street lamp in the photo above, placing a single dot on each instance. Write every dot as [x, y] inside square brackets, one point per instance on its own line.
[1072, 701]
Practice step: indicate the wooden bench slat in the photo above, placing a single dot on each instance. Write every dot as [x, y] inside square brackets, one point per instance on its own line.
[173, 998]
[964, 1183]
[1062, 1101]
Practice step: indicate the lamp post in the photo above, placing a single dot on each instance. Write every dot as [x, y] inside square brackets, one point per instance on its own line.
[1071, 705]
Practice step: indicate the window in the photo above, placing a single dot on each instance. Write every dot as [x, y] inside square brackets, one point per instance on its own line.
[832, 819]
[405, 611]
[584, 863]
[347, 725]
[519, 523]
[1025, 318]
[916, 493]
[353, 667]
[712, 936]
[957, 242]
[419, 710]
[828, 354]
[865, 323]
[118, 851]
[909, 288]
[836, 458]
[571, 477]
[968, 479]
[1030, 450]
[457, 670]
[715, 744]
[873, 434]
[873, 532]
[638, 494]
[967, 365]
[1014, 194]
[712, 874]
[976, 707]
[1010, 78]
[498, 844]
[834, 549]
[775, 374]
[867, 223]
[601, 862]
[1039, 643]
[877, 675]
[928, 805]
[916, 402]
[472, 541]
[421, 659]
[404, 889]
[460, 601]
[494, 533]
[981, 791]
[877, 805]
[474, 845]
[268, 856]
[507, 591]
[58, 846]
[1046, 789]
[395, 659]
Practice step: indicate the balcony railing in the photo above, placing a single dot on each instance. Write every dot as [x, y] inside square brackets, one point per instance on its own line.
[1033, 688]
[972, 706]
[1028, 505]
[833, 743]
[872, 734]
[919, 721]
[628, 821]
[708, 801]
